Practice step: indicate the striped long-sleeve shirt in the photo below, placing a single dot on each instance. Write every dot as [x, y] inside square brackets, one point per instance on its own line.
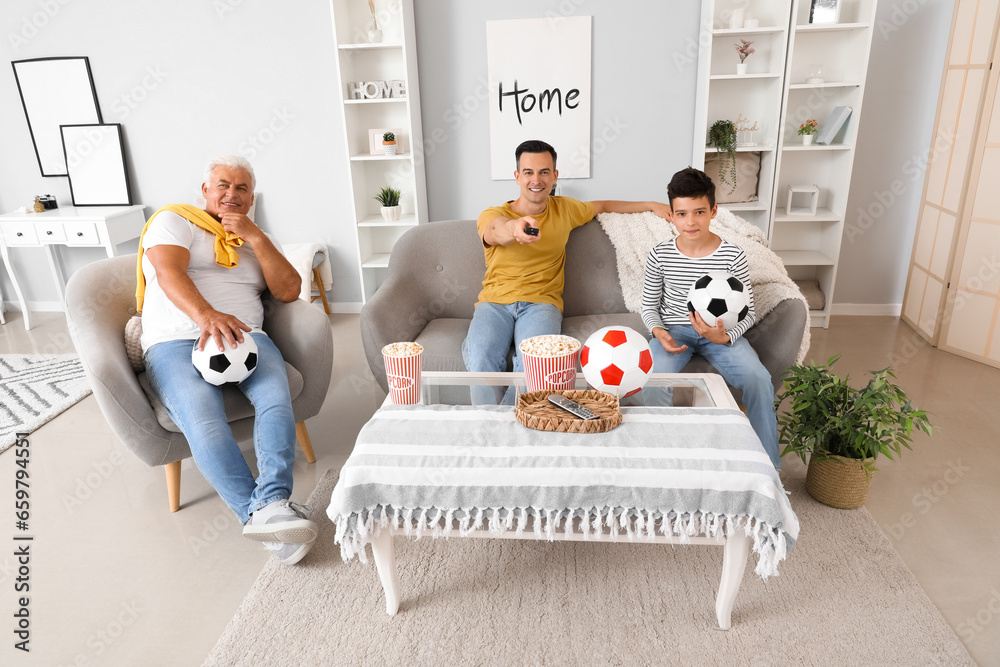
[670, 274]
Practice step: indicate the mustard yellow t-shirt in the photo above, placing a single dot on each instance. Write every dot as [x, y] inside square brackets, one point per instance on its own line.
[532, 272]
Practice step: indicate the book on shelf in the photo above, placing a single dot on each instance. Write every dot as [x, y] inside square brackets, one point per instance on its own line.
[833, 123]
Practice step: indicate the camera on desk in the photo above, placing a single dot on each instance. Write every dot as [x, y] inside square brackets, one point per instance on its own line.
[48, 201]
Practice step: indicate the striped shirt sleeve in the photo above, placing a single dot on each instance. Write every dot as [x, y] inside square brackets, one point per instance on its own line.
[670, 274]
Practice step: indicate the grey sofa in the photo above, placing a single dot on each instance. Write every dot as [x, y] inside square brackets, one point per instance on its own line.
[100, 299]
[436, 272]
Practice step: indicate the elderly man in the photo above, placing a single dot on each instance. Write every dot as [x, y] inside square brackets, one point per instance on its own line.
[525, 245]
[204, 272]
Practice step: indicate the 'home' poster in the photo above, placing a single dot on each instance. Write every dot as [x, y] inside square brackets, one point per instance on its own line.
[539, 76]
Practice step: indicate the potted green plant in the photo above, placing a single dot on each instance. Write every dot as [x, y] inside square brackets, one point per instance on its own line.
[389, 143]
[843, 430]
[389, 198]
[722, 135]
[808, 131]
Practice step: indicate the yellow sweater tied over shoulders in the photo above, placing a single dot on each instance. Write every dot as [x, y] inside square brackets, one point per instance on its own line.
[225, 242]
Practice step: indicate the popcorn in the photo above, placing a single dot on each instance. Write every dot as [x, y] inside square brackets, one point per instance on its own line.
[402, 349]
[549, 346]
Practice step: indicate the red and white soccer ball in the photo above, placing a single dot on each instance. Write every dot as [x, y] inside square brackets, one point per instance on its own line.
[719, 295]
[616, 360]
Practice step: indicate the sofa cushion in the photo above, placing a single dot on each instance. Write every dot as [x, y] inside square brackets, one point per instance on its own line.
[442, 340]
[237, 405]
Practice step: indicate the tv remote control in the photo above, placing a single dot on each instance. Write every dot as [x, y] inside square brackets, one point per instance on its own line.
[533, 231]
[571, 406]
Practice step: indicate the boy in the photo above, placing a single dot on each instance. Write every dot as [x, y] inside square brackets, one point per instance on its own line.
[671, 268]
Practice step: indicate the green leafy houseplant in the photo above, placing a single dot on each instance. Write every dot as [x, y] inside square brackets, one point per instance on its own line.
[722, 135]
[388, 138]
[388, 196]
[828, 418]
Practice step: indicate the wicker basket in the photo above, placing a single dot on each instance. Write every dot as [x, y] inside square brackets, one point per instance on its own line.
[838, 482]
[534, 411]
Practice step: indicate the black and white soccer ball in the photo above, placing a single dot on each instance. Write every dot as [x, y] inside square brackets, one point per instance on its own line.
[719, 295]
[232, 364]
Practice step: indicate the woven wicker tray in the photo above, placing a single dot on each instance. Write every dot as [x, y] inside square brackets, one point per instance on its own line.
[534, 411]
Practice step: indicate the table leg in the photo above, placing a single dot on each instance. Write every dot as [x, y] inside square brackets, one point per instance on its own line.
[734, 562]
[385, 562]
[17, 286]
[56, 269]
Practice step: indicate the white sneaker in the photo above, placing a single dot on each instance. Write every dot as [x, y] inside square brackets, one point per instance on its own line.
[281, 521]
[288, 554]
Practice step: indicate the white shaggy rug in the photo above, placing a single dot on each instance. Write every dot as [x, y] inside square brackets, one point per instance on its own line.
[844, 597]
[34, 388]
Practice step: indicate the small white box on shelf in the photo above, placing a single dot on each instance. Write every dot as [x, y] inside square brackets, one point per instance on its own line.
[797, 202]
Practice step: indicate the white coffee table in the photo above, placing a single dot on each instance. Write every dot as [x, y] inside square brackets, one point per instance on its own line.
[693, 390]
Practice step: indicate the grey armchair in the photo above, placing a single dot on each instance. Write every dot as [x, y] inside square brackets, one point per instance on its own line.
[100, 299]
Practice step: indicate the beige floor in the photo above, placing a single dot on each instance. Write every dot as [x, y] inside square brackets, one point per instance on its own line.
[116, 579]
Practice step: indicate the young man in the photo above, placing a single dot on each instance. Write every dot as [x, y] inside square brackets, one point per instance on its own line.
[192, 295]
[525, 245]
[671, 268]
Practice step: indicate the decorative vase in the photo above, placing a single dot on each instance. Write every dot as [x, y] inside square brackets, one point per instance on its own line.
[807, 139]
[374, 34]
[391, 213]
[741, 69]
[838, 482]
[389, 148]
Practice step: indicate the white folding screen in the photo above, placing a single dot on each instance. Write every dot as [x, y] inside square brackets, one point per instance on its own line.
[953, 288]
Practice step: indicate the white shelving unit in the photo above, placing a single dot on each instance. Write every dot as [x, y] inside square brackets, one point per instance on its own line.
[358, 60]
[809, 245]
[724, 95]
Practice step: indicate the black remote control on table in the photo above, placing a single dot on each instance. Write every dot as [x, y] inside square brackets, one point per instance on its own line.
[571, 406]
[531, 231]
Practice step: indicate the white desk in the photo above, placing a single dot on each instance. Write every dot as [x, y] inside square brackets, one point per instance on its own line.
[78, 227]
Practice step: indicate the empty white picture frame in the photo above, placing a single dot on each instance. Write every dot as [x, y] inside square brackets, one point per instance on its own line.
[54, 92]
[95, 162]
[802, 200]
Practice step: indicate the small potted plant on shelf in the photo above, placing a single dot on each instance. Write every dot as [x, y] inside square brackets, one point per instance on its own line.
[843, 429]
[722, 135]
[389, 198]
[808, 131]
[389, 143]
[744, 50]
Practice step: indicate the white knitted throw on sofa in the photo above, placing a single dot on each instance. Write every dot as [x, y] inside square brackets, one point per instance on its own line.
[634, 235]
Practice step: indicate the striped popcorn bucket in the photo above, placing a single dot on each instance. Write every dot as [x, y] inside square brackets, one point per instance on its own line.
[547, 372]
[402, 372]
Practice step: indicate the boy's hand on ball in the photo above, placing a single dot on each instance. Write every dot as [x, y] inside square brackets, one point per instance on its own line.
[221, 327]
[716, 334]
[667, 341]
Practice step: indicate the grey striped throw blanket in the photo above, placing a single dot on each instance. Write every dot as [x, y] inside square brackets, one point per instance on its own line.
[681, 472]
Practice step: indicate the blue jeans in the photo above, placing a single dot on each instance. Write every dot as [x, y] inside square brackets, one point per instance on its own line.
[493, 328]
[196, 407]
[740, 367]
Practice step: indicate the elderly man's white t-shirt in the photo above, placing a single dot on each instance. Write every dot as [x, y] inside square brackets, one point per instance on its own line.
[235, 291]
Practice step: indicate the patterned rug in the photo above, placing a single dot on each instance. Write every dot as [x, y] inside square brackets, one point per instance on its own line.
[34, 388]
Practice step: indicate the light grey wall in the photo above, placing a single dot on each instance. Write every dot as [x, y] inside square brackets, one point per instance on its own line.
[901, 93]
[643, 102]
[190, 79]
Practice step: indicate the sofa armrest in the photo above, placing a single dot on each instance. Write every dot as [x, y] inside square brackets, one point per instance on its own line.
[777, 337]
[302, 333]
[100, 299]
[393, 314]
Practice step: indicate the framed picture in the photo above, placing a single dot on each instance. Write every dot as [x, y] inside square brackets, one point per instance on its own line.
[824, 11]
[375, 140]
[95, 162]
[54, 92]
